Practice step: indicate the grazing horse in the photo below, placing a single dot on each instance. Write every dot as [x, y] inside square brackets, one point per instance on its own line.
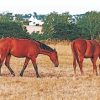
[85, 49]
[25, 48]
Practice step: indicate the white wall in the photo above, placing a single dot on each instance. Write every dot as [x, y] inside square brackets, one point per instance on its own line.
[32, 28]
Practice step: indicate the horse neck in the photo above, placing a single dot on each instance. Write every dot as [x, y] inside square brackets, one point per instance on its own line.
[45, 52]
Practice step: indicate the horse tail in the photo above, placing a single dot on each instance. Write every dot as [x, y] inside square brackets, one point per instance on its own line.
[74, 52]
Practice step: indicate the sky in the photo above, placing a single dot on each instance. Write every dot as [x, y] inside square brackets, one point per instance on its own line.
[47, 6]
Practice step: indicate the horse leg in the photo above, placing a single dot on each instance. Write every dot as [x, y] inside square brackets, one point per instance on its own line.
[2, 57]
[1, 62]
[99, 66]
[35, 66]
[94, 65]
[24, 66]
[0, 67]
[74, 65]
[8, 65]
[81, 64]
[99, 69]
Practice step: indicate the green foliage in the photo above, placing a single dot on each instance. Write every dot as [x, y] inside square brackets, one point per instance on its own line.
[12, 29]
[57, 25]
[19, 18]
[64, 31]
[64, 26]
[61, 26]
[6, 17]
[89, 24]
[38, 36]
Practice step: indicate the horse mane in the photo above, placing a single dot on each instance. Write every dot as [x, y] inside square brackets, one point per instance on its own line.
[44, 46]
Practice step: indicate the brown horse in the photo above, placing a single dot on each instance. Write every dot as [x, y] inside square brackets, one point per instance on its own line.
[85, 49]
[25, 48]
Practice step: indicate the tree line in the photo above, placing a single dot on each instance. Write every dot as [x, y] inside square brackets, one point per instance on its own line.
[56, 26]
[66, 26]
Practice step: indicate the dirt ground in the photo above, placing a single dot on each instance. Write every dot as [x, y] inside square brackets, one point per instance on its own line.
[55, 83]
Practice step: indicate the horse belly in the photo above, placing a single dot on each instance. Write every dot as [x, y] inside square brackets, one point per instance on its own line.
[88, 54]
[18, 53]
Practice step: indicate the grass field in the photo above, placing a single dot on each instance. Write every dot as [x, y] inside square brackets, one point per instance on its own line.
[55, 83]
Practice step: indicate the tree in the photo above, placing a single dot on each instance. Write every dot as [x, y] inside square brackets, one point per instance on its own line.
[57, 25]
[89, 24]
[12, 29]
[19, 17]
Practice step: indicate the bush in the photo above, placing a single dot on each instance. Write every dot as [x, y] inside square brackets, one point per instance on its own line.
[38, 36]
[12, 29]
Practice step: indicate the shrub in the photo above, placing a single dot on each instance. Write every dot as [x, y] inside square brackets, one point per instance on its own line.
[12, 29]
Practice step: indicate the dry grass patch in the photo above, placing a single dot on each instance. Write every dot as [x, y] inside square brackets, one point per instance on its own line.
[54, 84]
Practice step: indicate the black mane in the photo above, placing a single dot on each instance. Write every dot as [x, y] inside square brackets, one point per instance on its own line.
[44, 46]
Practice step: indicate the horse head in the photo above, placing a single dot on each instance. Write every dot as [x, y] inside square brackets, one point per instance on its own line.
[54, 57]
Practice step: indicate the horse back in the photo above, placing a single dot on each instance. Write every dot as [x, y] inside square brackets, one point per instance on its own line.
[23, 47]
[86, 48]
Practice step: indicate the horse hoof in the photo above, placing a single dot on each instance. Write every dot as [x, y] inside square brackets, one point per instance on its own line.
[38, 77]
[21, 75]
[96, 74]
